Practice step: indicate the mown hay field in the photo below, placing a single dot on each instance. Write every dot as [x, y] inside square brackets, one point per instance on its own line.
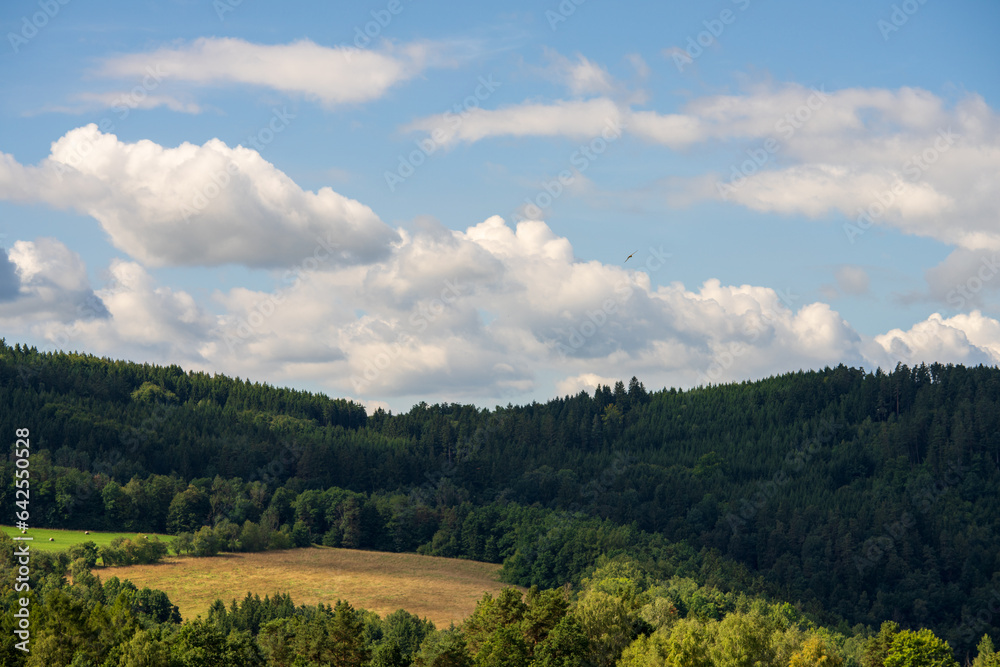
[444, 590]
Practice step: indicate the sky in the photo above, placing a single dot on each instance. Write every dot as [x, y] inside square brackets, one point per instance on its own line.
[398, 201]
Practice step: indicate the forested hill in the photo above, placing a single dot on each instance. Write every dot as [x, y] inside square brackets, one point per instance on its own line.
[866, 496]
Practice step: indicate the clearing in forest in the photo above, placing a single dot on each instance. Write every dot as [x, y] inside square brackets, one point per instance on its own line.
[443, 590]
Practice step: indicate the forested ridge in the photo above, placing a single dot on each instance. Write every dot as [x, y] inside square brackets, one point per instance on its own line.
[860, 497]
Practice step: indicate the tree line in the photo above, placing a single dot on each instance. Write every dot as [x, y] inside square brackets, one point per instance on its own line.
[864, 496]
[621, 614]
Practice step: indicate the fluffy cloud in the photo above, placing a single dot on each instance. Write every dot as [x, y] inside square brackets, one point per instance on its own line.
[196, 205]
[130, 317]
[490, 311]
[965, 279]
[486, 313]
[48, 293]
[144, 316]
[332, 76]
[968, 339]
[900, 158]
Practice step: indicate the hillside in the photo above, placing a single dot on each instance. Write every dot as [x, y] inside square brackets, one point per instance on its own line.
[863, 496]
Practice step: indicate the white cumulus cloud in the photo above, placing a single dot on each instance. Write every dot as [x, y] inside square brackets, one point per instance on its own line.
[196, 205]
[491, 312]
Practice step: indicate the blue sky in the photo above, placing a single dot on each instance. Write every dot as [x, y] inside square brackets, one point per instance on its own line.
[399, 201]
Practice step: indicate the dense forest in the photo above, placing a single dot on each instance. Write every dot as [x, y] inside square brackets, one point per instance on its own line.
[858, 497]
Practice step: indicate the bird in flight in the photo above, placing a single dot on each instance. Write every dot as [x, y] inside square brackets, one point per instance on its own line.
[628, 258]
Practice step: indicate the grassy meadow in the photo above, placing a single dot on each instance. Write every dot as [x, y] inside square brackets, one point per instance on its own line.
[443, 590]
[64, 539]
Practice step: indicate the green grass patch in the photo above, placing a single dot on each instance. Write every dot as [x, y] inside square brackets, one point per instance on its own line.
[64, 539]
